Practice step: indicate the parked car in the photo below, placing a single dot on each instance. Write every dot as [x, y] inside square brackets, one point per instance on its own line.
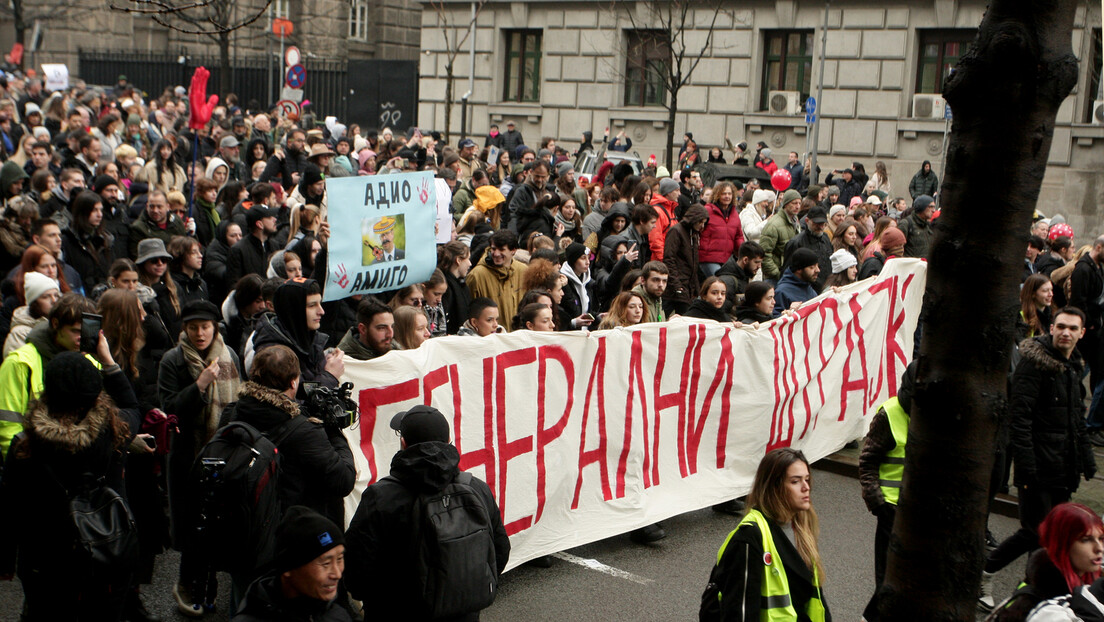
[713, 173]
[588, 163]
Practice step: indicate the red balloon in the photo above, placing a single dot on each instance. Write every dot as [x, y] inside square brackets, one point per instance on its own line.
[781, 179]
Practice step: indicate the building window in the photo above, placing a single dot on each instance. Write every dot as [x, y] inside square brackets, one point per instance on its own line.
[787, 63]
[1096, 93]
[523, 58]
[358, 20]
[939, 53]
[646, 68]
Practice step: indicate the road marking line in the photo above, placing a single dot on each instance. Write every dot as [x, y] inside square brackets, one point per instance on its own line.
[594, 564]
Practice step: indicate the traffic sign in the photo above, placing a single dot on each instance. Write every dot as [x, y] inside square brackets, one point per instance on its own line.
[288, 109]
[292, 56]
[810, 118]
[947, 112]
[295, 95]
[296, 76]
[810, 106]
[282, 27]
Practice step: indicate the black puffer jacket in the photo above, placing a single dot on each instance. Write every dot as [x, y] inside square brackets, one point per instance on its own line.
[456, 301]
[214, 264]
[608, 273]
[1046, 418]
[316, 464]
[89, 254]
[378, 566]
[703, 310]
[265, 602]
[680, 254]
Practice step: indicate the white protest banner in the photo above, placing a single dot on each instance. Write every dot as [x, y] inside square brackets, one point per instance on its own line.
[57, 77]
[444, 215]
[381, 233]
[583, 436]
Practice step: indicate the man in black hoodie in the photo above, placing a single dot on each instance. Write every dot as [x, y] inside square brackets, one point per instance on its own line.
[379, 567]
[298, 307]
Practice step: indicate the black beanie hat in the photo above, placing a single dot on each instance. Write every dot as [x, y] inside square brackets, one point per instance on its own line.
[311, 174]
[71, 383]
[303, 536]
[573, 253]
[104, 181]
[802, 258]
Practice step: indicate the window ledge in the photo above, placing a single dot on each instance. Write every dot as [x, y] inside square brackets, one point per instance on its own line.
[775, 120]
[504, 111]
[654, 114]
[1085, 130]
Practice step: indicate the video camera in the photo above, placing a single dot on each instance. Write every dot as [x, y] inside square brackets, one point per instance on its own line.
[333, 407]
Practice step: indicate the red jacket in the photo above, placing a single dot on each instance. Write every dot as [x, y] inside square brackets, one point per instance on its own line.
[665, 210]
[769, 168]
[722, 236]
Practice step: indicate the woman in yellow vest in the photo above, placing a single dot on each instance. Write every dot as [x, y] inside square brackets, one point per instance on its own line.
[769, 569]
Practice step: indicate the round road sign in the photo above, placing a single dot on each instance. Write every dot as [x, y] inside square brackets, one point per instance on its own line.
[288, 109]
[296, 76]
[292, 56]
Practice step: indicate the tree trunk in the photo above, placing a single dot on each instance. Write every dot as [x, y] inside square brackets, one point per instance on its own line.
[1005, 95]
[226, 76]
[449, 79]
[672, 110]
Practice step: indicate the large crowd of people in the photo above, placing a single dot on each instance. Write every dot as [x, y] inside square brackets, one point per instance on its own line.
[201, 253]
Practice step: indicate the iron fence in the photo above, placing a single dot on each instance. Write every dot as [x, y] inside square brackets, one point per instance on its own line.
[326, 86]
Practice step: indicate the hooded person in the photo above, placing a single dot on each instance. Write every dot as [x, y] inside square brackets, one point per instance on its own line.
[79, 427]
[621, 209]
[379, 567]
[893, 245]
[298, 314]
[311, 190]
[924, 181]
[577, 291]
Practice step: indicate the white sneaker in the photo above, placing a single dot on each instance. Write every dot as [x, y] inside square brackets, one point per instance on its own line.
[985, 601]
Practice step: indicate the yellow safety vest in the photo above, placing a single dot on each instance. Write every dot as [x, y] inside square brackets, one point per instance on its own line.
[892, 469]
[20, 382]
[775, 604]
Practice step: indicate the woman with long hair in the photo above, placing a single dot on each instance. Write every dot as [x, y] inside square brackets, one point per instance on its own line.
[85, 243]
[412, 295]
[873, 241]
[880, 178]
[770, 565]
[710, 303]
[153, 271]
[725, 233]
[305, 220]
[758, 305]
[627, 309]
[454, 261]
[1072, 540]
[1036, 307]
[411, 328]
[536, 317]
[185, 269]
[162, 172]
[844, 269]
[846, 236]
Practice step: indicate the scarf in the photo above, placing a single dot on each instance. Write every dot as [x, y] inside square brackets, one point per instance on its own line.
[568, 225]
[219, 393]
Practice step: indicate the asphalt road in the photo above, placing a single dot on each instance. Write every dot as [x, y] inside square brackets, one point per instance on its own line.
[625, 581]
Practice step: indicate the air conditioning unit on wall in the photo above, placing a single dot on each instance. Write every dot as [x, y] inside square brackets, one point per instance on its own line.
[928, 106]
[1098, 112]
[784, 102]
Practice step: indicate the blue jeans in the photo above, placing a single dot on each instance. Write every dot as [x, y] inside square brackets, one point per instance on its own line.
[1092, 421]
[709, 269]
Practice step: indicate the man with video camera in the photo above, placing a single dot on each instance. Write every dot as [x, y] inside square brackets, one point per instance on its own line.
[316, 464]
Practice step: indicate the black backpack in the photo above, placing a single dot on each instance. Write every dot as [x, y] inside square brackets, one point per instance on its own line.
[105, 537]
[454, 551]
[236, 477]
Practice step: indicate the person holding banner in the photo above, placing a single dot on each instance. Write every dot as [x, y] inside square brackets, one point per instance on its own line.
[781, 530]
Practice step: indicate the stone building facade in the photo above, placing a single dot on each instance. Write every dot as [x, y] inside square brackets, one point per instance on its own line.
[328, 29]
[558, 68]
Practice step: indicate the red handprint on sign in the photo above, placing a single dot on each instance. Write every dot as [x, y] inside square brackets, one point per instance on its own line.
[423, 191]
[342, 276]
[199, 104]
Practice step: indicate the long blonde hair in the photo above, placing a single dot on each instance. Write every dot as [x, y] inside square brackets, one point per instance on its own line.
[769, 496]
